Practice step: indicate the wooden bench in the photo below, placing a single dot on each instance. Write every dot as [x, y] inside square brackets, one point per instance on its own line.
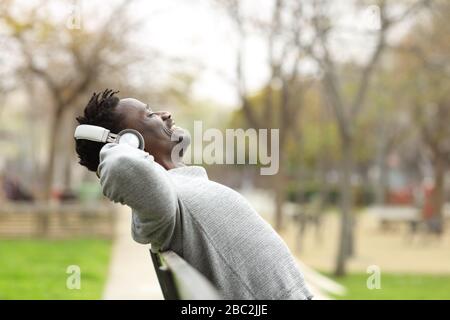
[179, 280]
[56, 220]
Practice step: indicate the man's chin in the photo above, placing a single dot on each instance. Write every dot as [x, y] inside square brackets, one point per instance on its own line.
[182, 140]
[181, 135]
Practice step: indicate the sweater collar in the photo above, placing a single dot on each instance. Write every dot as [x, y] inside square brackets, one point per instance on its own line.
[191, 171]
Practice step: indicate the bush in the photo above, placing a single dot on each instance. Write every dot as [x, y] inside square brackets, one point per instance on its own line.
[363, 195]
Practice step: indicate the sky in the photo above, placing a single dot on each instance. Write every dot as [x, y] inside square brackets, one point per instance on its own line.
[199, 32]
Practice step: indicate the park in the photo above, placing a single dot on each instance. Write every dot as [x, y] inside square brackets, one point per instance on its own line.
[319, 129]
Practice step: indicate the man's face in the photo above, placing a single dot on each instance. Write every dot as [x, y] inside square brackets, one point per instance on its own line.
[157, 127]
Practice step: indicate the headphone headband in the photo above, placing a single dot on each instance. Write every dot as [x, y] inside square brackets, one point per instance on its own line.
[99, 134]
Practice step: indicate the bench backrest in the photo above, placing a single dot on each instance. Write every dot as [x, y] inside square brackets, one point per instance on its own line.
[179, 280]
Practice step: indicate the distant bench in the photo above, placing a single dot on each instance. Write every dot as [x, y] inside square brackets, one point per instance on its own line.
[395, 213]
[56, 220]
[412, 216]
[179, 280]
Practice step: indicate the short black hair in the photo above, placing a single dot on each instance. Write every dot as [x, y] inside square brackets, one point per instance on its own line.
[100, 111]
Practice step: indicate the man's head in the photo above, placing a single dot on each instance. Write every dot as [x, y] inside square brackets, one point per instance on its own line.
[108, 111]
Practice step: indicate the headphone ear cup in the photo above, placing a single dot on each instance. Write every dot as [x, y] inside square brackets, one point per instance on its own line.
[131, 137]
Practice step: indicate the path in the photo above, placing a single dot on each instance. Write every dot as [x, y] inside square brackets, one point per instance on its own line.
[392, 250]
[131, 273]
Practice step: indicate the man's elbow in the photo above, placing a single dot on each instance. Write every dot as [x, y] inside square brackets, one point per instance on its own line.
[115, 173]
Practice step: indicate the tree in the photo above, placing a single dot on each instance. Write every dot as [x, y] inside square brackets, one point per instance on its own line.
[67, 60]
[285, 88]
[347, 110]
[423, 63]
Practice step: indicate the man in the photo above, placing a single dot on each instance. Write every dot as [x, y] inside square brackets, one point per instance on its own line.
[176, 207]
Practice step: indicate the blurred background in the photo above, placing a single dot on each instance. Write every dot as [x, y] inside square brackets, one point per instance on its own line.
[358, 89]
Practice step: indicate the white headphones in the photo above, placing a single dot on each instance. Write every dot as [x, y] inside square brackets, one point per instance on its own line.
[99, 134]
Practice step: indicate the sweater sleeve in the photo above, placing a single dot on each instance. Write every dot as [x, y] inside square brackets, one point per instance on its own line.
[131, 176]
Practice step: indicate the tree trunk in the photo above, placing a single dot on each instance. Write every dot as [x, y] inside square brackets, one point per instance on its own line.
[382, 179]
[382, 186]
[438, 194]
[32, 133]
[69, 152]
[280, 196]
[346, 233]
[52, 154]
[67, 185]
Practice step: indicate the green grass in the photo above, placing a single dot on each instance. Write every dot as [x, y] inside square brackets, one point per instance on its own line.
[396, 286]
[36, 269]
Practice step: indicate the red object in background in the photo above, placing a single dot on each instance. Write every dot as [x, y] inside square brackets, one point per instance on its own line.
[401, 197]
[428, 209]
[406, 197]
[56, 194]
[63, 195]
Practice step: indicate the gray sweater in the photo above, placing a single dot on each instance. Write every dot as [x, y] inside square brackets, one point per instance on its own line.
[210, 225]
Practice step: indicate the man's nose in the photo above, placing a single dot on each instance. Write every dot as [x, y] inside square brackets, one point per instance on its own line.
[164, 115]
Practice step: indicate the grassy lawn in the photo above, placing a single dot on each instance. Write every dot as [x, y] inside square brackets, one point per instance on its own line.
[397, 286]
[36, 269]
